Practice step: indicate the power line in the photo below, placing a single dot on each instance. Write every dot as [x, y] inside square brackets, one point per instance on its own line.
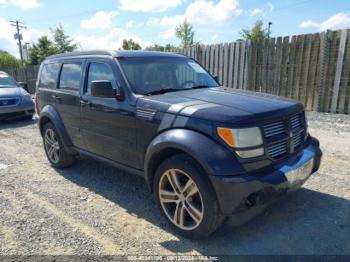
[18, 36]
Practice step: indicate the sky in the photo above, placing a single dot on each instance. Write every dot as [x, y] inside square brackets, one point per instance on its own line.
[104, 24]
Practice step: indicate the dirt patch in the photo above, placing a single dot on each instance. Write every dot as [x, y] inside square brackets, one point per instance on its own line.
[92, 208]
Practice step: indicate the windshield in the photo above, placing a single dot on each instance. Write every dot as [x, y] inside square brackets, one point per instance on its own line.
[6, 81]
[148, 75]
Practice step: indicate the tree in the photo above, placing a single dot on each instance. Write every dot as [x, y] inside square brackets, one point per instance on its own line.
[61, 40]
[8, 61]
[130, 45]
[256, 34]
[42, 49]
[185, 33]
[166, 48]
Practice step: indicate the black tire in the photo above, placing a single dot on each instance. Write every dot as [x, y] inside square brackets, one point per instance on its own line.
[64, 158]
[212, 216]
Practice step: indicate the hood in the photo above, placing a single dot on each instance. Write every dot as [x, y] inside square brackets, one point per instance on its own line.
[222, 104]
[11, 92]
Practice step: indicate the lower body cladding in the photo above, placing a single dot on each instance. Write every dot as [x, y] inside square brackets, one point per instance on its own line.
[249, 193]
[17, 111]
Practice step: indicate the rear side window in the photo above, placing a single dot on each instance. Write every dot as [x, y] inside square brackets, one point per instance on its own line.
[99, 71]
[48, 76]
[70, 76]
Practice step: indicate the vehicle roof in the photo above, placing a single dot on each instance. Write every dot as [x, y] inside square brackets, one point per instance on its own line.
[3, 73]
[114, 53]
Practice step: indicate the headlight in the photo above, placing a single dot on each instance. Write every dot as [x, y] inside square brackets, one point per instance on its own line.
[250, 153]
[241, 138]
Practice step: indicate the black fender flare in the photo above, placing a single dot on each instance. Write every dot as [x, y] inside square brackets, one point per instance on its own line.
[49, 113]
[214, 158]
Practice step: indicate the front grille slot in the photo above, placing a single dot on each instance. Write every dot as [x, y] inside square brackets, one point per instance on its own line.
[297, 140]
[296, 121]
[274, 129]
[278, 149]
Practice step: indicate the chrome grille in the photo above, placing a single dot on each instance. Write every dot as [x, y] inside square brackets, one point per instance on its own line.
[290, 134]
[278, 149]
[274, 129]
[297, 140]
[296, 121]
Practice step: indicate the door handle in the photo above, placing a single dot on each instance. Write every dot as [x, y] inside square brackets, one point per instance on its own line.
[56, 98]
[84, 102]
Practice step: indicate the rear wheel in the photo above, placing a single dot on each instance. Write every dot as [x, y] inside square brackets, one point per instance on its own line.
[54, 148]
[186, 198]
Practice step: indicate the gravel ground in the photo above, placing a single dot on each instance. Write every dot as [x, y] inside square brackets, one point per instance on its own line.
[95, 209]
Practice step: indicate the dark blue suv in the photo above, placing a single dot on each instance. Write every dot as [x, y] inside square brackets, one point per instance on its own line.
[205, 151]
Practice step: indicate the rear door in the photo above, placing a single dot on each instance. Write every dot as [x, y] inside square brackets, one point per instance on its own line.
[67, 98]
[107, 124]
[47, 84]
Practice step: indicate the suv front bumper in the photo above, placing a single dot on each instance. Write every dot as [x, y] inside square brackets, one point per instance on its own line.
[237, 194]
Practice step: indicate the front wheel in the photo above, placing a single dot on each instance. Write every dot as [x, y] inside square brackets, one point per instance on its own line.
[186, 197]
[54, 148]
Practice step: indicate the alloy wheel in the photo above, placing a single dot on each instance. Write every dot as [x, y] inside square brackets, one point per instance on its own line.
[180, 199]
[52, 145]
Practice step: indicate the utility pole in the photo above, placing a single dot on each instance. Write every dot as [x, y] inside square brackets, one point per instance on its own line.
[269, 30]
[19, 25]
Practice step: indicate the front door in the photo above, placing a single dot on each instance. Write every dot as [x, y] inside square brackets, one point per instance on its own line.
[107, 124]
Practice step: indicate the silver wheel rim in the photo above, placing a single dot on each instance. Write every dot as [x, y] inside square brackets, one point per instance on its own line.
[52, 146]
[180, 199]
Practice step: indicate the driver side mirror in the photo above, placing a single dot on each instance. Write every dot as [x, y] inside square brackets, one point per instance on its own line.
[103, 88]
[23, 85]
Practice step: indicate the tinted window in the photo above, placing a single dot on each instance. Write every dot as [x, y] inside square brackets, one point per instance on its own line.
[48, 75]
[150, 74]
[70, 76]
[99, 71]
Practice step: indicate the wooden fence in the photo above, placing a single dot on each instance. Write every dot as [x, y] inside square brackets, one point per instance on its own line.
[313, 68]
[27, 75]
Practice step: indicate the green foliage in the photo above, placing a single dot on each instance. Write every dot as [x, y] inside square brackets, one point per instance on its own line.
[42, 49]
[185, 33]
[61, 41]
[166, 48]
[8, 61]
[256, 34]
[130, 45]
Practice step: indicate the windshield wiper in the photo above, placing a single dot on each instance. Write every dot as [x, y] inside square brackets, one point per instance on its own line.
[199, 86]
[162, 91]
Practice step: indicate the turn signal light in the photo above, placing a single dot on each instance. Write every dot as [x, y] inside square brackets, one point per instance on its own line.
[226, 135]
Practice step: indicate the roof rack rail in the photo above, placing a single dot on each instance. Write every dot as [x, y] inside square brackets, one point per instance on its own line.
[80, 53]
